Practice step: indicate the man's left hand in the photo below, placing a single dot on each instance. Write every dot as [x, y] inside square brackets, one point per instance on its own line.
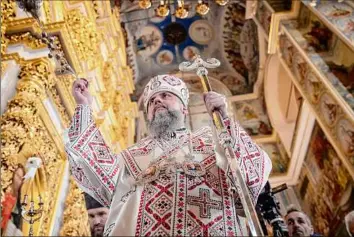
[215, 102]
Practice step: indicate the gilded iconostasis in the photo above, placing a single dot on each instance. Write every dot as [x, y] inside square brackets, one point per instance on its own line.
[287, 70]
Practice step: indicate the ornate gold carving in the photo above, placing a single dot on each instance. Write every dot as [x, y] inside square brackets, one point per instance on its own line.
[28, 39]
[48, 15]
[84, 36]
[40, 74]
[13, 56]
[108, 95]
[7, 14]
[7, 10]
[21, 126]
[24, 125]
[59, 106]
[96, 8]
[75, 221]
[4, 40]
[3, 68]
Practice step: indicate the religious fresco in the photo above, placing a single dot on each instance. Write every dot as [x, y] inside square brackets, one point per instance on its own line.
[264, 15]
[341, 15]
[241, 45]
[253, 117]
[332, 57]
[325, 183]
[236, 84]
[157, 45]
[333, 62]
[278, 155]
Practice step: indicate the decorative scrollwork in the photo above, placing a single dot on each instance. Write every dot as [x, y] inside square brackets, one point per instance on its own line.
[75, 215]
[84, 35]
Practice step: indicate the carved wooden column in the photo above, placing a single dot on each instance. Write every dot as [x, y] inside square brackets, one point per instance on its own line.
[7, 14]
[25, 129]
[22, 130]
[19, 124]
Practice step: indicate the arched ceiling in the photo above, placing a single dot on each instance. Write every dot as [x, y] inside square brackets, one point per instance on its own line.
[159, 45]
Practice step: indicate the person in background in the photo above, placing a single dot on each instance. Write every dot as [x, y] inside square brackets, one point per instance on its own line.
[299, 224]
[349, 223]
[11, 221]
[173, 182]
[97, 216]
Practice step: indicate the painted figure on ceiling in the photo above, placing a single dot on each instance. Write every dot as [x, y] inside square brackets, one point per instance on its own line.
[174, 182]
[148, 41]
[319, 37]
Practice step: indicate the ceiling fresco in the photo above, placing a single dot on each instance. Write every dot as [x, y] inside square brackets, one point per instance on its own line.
[278, 155]
[253, 116]
[324, 182]
[157, 45]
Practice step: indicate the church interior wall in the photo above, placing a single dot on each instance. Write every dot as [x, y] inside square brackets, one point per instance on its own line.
[298, 105]
[37, 104]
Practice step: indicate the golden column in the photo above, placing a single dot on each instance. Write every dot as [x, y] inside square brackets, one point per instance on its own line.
[25, 134]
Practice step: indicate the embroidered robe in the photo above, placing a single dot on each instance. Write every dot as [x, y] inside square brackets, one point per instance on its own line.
[179, 205]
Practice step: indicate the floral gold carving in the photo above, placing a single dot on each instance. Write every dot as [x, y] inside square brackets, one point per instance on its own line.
[48, 15]
[21, 126]
[25, 123]
[59, 106]
[7, 14]
[28, 39]
[84, 36]
[75, 215]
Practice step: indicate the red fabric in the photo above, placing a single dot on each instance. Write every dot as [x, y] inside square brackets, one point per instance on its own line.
[8, 204]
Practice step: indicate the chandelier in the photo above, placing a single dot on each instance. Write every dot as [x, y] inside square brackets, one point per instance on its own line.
[182, 10]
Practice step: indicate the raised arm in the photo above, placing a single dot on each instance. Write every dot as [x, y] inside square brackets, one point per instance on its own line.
[92, 164]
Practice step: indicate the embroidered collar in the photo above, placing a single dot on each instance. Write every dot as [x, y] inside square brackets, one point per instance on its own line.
[172, 139]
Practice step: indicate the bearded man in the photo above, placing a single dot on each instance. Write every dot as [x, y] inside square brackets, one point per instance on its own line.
[97, 215]
[174, 182]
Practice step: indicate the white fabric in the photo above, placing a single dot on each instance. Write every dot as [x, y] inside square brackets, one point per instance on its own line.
[167, 83]
[11, 230]
[180, 205]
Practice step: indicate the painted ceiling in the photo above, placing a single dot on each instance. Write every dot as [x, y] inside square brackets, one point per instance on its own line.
[158, 45]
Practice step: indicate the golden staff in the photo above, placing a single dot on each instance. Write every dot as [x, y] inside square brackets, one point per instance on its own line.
[200, 66]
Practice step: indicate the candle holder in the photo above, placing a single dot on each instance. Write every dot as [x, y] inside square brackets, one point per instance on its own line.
[29, 213]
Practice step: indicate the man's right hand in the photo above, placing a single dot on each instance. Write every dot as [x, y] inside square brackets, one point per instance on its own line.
[81, 93]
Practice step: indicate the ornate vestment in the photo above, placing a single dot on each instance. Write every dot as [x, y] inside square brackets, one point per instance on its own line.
[171, 205]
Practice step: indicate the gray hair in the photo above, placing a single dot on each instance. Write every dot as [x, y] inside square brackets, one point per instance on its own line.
[292, 208]
[348, 218]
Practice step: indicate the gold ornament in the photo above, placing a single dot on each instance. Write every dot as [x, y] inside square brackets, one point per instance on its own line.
[84, 35]
[221, 2]
[182, 10]
[75, 217]
[144, 4]
[162, 10]
[202, 8]
[28, 39]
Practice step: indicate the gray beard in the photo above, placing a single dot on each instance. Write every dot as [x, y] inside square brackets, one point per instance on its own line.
[164, 123]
